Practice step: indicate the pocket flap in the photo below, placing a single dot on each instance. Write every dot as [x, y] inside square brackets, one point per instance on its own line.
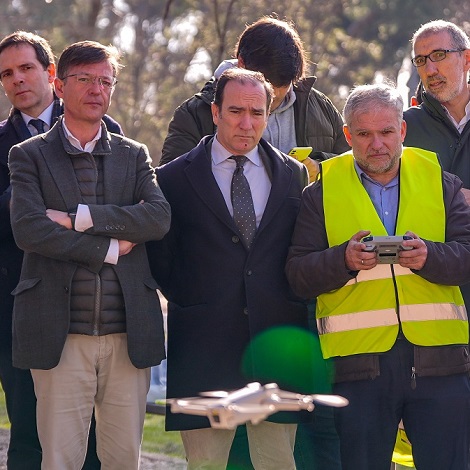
[25, 284]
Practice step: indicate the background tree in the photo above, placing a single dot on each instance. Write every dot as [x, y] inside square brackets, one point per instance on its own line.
[171, 47]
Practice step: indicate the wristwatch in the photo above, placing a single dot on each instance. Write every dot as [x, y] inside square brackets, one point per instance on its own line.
[72, 216]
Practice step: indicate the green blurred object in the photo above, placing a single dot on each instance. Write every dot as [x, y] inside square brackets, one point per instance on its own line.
[290, 357]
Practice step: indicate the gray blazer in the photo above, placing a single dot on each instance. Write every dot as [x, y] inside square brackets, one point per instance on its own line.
[42, 177]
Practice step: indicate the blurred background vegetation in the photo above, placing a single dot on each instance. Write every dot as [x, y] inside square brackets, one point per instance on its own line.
[171, 47]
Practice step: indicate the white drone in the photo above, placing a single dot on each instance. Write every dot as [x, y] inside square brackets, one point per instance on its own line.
[254, 403]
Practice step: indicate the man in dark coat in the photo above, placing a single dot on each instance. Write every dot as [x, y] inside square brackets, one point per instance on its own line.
[441, 123]
[300, 116]
[224, 290]
[27, 71]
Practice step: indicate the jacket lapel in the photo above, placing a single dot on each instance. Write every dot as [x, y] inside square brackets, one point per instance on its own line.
[114, 175]
[60, 166]
[200, 177]
[281, 180]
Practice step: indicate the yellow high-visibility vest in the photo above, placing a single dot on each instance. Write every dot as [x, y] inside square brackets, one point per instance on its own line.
[402, 453]
[364, 315]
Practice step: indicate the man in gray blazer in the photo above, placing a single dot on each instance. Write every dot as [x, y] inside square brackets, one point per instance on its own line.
[27, 72]
[86, 318]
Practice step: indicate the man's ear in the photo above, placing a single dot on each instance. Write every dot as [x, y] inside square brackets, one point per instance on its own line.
[59, 87]
[51, 71]
[215, 113]
[347, 134]
[403, 130]
[467, 59]
[241, 62]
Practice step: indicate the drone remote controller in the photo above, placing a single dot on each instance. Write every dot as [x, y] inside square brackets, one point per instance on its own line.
[386, 247]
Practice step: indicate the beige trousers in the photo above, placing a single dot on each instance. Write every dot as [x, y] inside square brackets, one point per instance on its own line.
[271, 446]
[93, 371]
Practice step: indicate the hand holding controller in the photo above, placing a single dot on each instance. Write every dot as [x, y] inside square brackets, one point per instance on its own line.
[386, 247]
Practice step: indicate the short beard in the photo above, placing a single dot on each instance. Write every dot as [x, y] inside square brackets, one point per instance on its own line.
[446, 95]
[374, 169]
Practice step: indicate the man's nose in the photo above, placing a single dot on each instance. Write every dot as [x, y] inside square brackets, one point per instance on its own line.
[246, 122]
[18, 77]
[430, 67]
[377, 141]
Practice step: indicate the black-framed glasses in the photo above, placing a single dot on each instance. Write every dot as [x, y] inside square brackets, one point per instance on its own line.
[434, 56]
[87, 79]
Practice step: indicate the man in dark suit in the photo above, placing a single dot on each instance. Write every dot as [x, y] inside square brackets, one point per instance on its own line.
[224, 277]
[27, 72]
[86, 318]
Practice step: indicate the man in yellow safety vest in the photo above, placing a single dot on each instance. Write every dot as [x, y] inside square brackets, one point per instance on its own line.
[397, 329]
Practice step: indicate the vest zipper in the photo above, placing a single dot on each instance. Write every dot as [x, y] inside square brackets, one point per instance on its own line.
[413, 378]
[397, 301]
[96, 313]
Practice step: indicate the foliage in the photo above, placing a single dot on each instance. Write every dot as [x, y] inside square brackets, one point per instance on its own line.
[157, 440]
[170, 47]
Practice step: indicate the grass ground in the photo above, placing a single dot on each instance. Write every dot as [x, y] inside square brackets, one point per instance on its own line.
[156, 439]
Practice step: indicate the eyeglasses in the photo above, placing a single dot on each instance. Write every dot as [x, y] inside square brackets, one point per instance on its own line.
[86, 79]
[434, 56]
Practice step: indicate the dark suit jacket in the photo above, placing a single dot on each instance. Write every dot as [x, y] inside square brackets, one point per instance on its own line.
[10, 255]
[220, 295]
[42, 177]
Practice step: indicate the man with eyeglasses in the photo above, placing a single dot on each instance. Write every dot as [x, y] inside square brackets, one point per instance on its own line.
[441, 55]
[27, 72]
[441, 123]
[86, 317]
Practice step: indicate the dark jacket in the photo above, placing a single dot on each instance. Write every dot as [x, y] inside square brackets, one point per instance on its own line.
[42, 176]
[318, 123]
[428, 126]
[220, 295]
[13, 131]
[313, 269]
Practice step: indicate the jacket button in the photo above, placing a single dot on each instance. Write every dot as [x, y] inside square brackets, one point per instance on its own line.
[66, 289]
[245, 310]
[235, 239]
[249, 272]
[4, 271]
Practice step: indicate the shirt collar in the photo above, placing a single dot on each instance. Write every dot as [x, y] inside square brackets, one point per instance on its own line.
[45, 116]
[220, 154]
[89, 146]
[363, 175]
[459, 125]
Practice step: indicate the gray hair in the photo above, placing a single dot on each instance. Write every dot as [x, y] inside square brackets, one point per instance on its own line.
[458, 36]
[363, 97]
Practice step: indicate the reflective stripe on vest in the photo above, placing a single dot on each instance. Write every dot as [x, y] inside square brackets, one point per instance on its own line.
[363, 316]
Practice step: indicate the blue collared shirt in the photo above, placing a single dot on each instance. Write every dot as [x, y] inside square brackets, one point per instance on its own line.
[255, 172]
[384, 198]
[45, 116]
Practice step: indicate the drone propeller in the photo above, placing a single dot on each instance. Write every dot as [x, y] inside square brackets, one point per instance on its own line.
[215, 394]
[335, 401]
